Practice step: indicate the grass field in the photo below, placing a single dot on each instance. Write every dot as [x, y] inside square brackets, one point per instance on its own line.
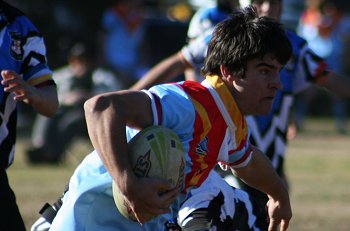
[317, 163]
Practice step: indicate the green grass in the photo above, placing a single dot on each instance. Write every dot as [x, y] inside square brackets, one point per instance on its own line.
[35, 185]
[317, 164]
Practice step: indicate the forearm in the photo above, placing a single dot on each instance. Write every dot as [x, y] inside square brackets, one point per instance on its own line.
[190, 74]
[46, 101]
[260, 174]
[163, 72]
[337, 84]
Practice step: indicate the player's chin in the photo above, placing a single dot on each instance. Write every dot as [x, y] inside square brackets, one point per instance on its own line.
[265, 107]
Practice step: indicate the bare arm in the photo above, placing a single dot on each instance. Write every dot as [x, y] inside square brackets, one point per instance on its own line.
[190, 74]
[113, 113]
[106, 117]
[337, 84]
[47, 102]
[260, 174]
[44, 100]
[163, 72]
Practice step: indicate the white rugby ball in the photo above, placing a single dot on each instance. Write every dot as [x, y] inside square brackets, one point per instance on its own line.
[154, 152]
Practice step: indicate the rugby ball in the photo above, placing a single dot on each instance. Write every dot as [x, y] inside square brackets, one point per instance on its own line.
[154, 152]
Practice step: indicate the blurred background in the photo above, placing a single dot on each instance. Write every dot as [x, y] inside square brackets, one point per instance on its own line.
[161, 27]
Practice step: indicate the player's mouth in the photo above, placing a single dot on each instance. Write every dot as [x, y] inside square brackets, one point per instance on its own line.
[269, 98]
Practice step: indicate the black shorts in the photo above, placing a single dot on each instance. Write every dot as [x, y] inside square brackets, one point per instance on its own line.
[10, 217]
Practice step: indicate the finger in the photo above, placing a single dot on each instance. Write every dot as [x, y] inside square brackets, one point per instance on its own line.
[6, 81]
[8, 74]
[18, 98]
[11, 83]
[160, 207]
[138, 215]
[284, 225]
[169, 193]
[5, 74]
[158, 211]
[169, 197]
[18, 90]
[11, 88]
[164, 186]
[157, 208]
[139, 219]
[152, 213]
[273, 225]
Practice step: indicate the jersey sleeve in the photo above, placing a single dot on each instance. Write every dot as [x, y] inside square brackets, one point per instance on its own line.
[35, 69]
[310, 68]
[241, 156]
[170, 105]
[235, 154]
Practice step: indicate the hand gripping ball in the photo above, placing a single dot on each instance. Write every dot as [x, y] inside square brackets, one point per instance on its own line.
[154, 152]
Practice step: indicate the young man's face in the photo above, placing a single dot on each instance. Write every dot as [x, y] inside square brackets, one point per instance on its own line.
[255, 92]
[269, 8]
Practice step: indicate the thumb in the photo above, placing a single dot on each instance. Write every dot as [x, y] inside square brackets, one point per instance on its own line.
[284, 225]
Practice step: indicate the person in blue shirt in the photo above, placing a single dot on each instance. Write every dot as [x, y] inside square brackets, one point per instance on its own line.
[26, 78]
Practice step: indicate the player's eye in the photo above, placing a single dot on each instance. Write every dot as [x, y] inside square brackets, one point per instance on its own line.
[264, 71]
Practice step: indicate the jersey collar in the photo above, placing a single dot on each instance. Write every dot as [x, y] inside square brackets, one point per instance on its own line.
[226, 103]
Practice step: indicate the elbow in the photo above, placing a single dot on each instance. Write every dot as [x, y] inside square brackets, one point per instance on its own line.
[95, 104]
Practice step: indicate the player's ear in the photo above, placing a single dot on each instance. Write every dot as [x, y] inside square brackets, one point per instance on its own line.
[226, 73]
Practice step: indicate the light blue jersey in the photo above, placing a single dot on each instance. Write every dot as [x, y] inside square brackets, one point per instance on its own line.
[89, 205]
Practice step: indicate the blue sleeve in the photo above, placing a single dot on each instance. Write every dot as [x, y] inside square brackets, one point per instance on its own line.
[175, 106]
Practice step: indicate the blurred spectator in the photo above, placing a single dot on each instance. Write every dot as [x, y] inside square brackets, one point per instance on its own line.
[72, 21]
[76, 82]
[292, 11]
[201, 26]
[204, 20]
[326, 27]
[51, 136]
[123, 33]
[63, 23]
[180, 11]
[202, 3]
